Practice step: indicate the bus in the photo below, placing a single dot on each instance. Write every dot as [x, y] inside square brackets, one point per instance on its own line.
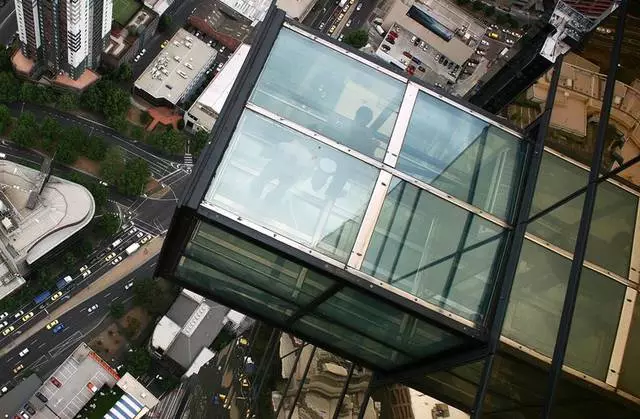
[342, 3]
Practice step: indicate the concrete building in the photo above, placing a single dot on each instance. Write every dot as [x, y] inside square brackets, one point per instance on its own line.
[185, 332]
[125, 43]
[38, 212]
[204, 112]
[175, 71]
[219, 21]
[65, 36]
[255, 10]
[12, 402]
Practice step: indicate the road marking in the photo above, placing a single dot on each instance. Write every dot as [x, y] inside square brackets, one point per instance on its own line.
[34, 341]
[107, 294]
[114, 298]
[42, 345]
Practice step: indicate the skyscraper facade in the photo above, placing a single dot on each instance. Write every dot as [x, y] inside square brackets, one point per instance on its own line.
[65, 36]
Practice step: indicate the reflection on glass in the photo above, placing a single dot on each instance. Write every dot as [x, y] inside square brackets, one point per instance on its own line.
[462, 155]
[380, 321]
[330, 93]
[341, 337]
[435, 250]
[263, 269]
[293, 185]
[630, 371]
[536, 303]
[611, 232]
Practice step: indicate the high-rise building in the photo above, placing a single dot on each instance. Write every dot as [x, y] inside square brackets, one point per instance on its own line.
[64, 35]
[415, 234]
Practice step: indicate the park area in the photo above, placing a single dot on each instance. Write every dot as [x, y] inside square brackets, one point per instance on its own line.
[123, 10]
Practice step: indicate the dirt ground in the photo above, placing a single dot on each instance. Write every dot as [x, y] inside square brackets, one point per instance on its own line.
[88, 166]
[135, 313]
[133, 115]
[112, 341]
[152, 185]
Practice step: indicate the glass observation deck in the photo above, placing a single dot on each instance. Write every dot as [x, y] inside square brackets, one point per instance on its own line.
[372, 216]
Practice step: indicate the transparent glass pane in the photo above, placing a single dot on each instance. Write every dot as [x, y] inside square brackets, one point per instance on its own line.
[380, 321]
[462, 155]
[232, 289]
[630, 371]
[536, 303]
[293, 185]
[373, 351]
[435, 250]
[330, 93]
[611, 233]
[257, 267]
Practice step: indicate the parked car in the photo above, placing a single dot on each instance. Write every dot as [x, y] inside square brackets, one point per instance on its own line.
[116, 260]
[24, 352]
[129, 285]
[110, 256]
[8, 330]
[390, 40]
[407, 54]
[93, 308]
[358, 7]
[393, 34]
[42, 397]
[348, 23]
[55, 382]
[27, 316]
[86, 273]
[385, 47]
[56, 296]
[18, 368]
[416, 60]
[59, 328]
[3, 315]
[52, 324]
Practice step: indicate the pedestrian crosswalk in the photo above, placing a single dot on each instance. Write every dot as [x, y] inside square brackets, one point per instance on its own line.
[188, 159]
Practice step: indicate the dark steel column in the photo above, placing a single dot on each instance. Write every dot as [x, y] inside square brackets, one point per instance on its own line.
[345, 388]
[304, 377]
[286, 387]
[571, 294]
[367, 396]
[531, 177]
[267, 367]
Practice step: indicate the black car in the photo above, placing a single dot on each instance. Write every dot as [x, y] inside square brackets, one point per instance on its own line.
[385, 47]
[29, 409]
[416, 60]
[42, 397]
[390, 40]
[416, 42]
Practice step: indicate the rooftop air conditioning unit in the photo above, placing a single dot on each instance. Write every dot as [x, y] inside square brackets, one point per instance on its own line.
[176, 58]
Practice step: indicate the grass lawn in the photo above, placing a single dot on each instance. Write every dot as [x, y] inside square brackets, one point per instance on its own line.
[123, 10]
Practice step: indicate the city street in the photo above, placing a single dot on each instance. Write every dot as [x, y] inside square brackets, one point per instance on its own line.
[8, 23]
[47, 349]
[326, 12]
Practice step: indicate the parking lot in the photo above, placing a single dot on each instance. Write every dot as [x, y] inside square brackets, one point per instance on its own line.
[74, 376]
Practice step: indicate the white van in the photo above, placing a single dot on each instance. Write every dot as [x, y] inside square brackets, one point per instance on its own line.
[380, 30]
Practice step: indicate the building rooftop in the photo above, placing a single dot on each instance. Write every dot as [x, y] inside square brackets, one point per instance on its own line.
[137, 391]
[12, 402]
[254, 10]
[127, 407]
[190, 325]
[209, 104]
[201, 360]
[117, 44]
[175, 68]
[83, 366]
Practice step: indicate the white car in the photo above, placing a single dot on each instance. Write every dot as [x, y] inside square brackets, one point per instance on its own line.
[3, 315]
[358, 7]
[341, 37]
[144, 50]
[84, 268]
[116, 260]
[18, 314]
[24, 352]
[92, 308]
[348, 23]
[4, 324]
[135, 60]
[140, 234]
[86, 273]
[144, 240]
[129, 285]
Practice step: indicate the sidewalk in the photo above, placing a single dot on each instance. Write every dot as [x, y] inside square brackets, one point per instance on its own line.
[110, 278]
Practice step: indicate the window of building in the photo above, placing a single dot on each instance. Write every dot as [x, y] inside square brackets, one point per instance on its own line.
[330, 93]
[463, 155]
[293, 185]
[435, 250]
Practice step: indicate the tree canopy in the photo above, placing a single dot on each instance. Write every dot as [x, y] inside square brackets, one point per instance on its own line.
[357, 38]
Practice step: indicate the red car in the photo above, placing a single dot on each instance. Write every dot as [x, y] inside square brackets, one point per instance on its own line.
[411, 69]
[55, 382]
[394, 34]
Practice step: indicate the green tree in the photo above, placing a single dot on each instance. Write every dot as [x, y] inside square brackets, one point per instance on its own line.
[108, 224]
[100, 194]
[92, 98]
[125, 73]
[95, 148]
[67, 101]
[9, 87]
[116, 310]
[170, 141]
[69, 260]
[84, 248]
[116, 103]
[30, 92]
[477, 5]
[357, 38]
[112, 166]
[134, 177]
[133, 326]
[136, 132]
[26, 130]
[145, 118]
[5, 118]
[501, 18]
[148, 295]
[198, 142]
[165, 22]
[5, 59]
[70, 145]
[137, 362]
[489, 10]
[49, 133]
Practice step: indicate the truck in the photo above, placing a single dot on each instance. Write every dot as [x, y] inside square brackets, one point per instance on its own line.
[42, 297]
[116, 243]
[63, 282]
[132, 249]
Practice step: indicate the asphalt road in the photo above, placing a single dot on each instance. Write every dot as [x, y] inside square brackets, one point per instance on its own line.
[47, 350]
[326, 12]
[8, 23]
